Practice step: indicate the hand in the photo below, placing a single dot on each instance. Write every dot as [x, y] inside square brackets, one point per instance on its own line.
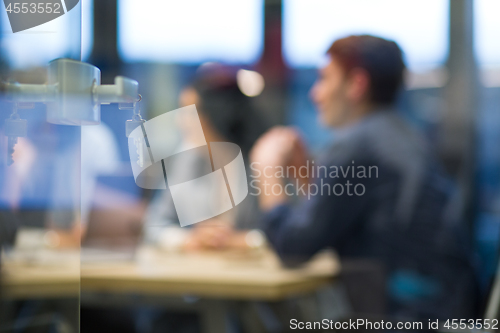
[65, 239]
[212, 234]
[275, 147]
[279, 147]
[298, 159]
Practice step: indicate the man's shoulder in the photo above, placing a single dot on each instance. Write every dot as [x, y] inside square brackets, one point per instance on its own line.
[386, 136]
[391, 132]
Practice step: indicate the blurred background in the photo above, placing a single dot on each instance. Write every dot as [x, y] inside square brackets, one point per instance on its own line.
[452, 94]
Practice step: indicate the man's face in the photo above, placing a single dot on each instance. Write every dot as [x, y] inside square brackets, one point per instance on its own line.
[329, 95]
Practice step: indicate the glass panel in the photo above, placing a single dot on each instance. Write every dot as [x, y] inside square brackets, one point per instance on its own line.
[87, 28]
[39, 172]
[58, 38]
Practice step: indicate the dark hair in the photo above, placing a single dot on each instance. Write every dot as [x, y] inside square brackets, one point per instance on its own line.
[228, 110]
[381, 58]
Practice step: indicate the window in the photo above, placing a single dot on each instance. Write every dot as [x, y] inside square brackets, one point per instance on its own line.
[487, 32]
[420, 27]
[190, 31]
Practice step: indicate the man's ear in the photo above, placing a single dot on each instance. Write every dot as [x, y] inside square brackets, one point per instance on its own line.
[358, 85]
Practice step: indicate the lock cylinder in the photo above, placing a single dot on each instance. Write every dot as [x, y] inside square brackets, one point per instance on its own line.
[74, 93]
[73, 102]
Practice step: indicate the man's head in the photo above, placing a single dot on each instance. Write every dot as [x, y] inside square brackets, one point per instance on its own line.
[363, 73]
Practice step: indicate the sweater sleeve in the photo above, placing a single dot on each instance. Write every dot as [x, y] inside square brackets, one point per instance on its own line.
[334, 209]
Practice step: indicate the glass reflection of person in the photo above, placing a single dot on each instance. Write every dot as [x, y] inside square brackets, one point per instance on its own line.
[399, 220]
[52, 181]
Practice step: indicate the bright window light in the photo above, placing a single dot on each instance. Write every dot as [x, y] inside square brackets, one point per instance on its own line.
[420, 27]
[190, 31]
[487, 32]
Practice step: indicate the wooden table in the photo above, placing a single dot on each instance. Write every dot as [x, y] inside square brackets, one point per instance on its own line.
[208, 283]
[41, 274]
[215, 279]
[229, 275]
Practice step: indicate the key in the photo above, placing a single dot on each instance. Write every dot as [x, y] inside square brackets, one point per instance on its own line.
[132, 124]
[14, 128]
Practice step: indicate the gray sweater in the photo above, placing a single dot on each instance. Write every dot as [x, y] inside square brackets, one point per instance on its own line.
[395, 211]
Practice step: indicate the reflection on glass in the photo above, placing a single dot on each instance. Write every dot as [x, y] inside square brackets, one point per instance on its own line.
[39, 185]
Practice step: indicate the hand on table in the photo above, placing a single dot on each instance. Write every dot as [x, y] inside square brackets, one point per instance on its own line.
[65, 239]
[216, 235]
[208, 235]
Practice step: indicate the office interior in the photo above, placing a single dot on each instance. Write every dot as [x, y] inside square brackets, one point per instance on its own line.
[76, 255]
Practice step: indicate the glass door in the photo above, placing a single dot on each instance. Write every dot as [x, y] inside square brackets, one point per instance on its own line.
[40, 191]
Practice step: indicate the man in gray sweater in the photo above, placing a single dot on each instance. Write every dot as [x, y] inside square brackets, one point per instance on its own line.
[377, 194]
